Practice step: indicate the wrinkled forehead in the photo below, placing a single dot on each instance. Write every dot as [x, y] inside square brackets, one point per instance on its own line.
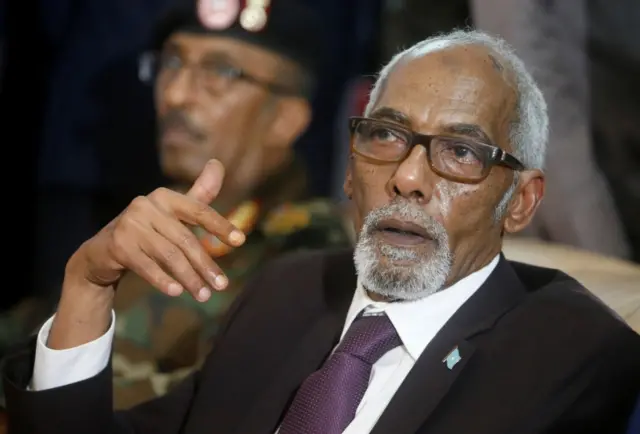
[466, 85]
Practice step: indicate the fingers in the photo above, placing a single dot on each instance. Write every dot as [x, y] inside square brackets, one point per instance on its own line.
[126, 251]
[151, 238]
[157, 260]
[192, 250]
[197, 213]
[168, 243]
[208, 184]
[149, 270]
[170, 257]
[203, 215]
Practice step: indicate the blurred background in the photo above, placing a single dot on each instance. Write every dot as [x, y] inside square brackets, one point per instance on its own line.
[80, 123]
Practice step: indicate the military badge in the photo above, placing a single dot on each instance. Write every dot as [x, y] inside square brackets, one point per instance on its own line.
[218, 14]
[254, 16]
[286, 219]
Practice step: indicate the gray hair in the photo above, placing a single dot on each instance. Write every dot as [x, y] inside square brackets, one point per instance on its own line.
[529, 130]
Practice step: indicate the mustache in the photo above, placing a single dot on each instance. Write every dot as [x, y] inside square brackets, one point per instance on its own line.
[407, 212]
[177, 119]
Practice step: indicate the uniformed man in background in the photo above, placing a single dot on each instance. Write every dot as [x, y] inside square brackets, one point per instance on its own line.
[234, 81]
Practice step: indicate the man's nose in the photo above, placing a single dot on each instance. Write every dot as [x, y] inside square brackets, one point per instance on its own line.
[180, 90]
[412, 179]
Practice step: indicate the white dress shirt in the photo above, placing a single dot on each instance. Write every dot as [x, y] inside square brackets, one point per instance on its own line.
[417, 323]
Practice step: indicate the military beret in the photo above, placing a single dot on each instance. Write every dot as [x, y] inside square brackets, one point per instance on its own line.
[286, 27]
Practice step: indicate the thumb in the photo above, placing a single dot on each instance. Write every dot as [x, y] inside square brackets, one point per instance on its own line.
[208, 184]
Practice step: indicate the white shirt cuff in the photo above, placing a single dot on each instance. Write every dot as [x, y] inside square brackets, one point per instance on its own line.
[57, 368]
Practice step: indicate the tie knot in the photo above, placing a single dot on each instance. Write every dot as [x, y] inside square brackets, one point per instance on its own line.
[369, 338]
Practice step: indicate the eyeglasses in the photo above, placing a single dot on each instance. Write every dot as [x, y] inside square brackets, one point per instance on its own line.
[213, 75]
[455, 158]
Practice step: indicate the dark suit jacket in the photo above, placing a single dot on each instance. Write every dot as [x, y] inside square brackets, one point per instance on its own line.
[634, 423]
[539, 355]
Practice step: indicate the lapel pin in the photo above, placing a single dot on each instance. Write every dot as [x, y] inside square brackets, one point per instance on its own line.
[452, 358]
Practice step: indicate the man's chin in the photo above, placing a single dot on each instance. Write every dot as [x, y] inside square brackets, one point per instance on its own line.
[178, 171]
[386, 261]
[404, 255]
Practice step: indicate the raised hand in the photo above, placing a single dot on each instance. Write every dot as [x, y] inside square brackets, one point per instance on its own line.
[152, 238]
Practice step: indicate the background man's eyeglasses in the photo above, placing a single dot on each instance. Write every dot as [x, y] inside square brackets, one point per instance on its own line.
[212, 75]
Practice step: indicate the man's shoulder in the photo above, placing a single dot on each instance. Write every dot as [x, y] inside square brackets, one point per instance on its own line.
[567, 307]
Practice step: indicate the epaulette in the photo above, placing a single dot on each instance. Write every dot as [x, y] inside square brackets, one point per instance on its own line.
[295, 217]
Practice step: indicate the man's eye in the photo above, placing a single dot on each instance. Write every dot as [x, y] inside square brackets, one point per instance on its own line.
[383, 134]
[222, 70]
[171, 62]
[463, 153]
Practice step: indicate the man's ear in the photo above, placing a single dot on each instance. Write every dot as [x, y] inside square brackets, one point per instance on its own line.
[525, 202]
[292, 117]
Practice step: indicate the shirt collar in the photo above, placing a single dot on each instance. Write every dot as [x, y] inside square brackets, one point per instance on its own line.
[417, 322]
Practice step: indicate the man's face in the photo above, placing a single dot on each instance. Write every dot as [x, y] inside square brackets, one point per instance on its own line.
[420, 232]
[205, 111]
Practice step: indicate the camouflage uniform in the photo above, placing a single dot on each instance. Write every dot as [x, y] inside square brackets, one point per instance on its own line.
[160, 339]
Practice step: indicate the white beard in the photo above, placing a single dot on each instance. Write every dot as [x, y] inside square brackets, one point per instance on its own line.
[425, 276]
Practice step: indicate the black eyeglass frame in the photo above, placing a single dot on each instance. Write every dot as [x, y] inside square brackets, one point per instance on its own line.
[495, 157]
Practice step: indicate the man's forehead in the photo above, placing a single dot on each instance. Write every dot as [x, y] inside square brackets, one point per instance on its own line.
[206, 41]
[464, 65]
[462, 83]
[199, 45]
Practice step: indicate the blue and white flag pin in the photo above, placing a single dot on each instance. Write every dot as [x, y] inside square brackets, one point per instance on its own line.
[452, 358]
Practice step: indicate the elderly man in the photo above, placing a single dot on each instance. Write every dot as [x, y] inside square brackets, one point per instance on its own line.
[425, 328]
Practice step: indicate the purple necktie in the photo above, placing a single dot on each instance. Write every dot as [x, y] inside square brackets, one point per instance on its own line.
[327, 400]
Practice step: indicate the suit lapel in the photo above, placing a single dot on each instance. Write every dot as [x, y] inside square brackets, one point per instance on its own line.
[449, 353]
[306, 358]
[310, 352]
